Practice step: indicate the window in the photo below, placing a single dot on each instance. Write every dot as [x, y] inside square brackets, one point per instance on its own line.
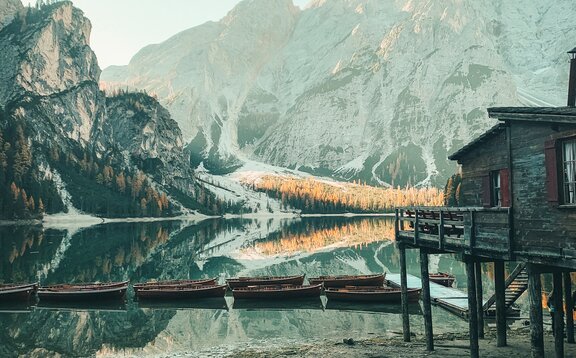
[569, 171]
[496, 198]
[495, 189]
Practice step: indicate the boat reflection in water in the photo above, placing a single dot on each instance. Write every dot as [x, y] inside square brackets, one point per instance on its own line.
[216, 303]
[88, 306]
[309, 303]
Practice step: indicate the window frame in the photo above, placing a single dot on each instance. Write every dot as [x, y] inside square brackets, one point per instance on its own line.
[563, 183]
[495, 189]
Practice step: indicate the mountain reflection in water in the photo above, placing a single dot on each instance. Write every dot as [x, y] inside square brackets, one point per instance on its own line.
[211, 248]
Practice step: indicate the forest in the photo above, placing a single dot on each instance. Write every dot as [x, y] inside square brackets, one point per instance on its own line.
[312, 195]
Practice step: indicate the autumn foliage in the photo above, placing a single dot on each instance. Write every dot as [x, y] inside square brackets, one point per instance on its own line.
[320, 196]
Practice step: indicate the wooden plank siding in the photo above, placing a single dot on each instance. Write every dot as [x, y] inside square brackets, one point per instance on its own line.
[490, 156]
[542, 229]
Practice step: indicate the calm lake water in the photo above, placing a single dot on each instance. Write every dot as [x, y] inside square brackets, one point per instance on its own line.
[213, 248]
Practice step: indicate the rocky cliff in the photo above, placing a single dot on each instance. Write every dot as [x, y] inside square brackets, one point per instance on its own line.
[369, 89]
[116, 156]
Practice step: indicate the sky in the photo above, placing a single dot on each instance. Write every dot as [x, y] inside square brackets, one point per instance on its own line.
[120, 28]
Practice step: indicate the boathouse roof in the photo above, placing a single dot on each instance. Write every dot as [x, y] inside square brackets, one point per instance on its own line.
[529, 114]
[479, 140]
[534, 114]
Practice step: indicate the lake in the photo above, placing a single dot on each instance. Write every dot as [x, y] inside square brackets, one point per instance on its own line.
[189, 250]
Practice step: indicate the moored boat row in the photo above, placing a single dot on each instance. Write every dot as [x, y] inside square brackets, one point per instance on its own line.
[363, 288]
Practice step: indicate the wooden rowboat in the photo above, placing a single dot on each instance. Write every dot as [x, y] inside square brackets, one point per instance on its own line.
[181, 292]
[17, 291]
[277, 292]
[371, 294]
[265, 280]
[85, 291]
[442, 278]
[341, 281]
[174, 283]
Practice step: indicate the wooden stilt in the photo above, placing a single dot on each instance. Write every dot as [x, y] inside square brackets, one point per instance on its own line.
[536, 324]
[479, 299]
[499, 282]
[426, 300]
[569, 307]
[472, 310]
[404, 294]
[558, 315]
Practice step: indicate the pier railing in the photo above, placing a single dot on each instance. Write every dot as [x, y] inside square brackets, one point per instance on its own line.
[467, 230]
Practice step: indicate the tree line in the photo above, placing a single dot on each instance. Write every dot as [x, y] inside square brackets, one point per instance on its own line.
[317, 196]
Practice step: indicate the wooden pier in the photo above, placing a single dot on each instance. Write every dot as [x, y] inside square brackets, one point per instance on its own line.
[449, 298]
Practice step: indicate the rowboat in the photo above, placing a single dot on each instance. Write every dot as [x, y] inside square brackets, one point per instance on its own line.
[265, 280]
[371, 294]
[84, 291]
[17, 291]
[174, 283]
[348, 280]
[181, 292]
[442, 278]
[277, 292]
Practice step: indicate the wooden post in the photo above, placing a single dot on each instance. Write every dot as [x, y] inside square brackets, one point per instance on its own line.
[426, 300]
[536, 323]
[558, 315]
[404, 294]
[479, 299]
[499, 282]
[569, 307]
[472, 310]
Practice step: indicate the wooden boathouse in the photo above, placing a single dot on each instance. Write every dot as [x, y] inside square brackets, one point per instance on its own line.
[517, 204]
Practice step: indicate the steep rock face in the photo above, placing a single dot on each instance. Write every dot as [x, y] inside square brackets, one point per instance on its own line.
[145, 129]
[118, 161]
[49, 71]
[369, 89]
[8, 9]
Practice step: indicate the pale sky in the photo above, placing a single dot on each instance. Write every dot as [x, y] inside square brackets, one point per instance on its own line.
[120, 28]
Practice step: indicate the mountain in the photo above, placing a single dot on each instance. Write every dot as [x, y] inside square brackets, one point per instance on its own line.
[374, 90]
[65, 145]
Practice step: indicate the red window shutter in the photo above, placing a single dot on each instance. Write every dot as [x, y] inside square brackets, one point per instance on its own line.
[551, 163]
[486, 194]
[505, 187]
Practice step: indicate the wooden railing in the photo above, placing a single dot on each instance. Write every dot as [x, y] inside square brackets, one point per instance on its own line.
[455, 229]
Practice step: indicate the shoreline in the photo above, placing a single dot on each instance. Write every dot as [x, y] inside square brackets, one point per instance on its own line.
[445, 344]
[51, 221]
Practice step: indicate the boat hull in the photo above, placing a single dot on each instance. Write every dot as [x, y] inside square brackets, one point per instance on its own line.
[282, 292]
[343, 281]
[174, 283]
[442, 279]
[179, 293]
[265, 281]
[88, 292]
[381, 295]
[22, 293]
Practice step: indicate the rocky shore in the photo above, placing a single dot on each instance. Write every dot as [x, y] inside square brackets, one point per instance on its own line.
[447, 345]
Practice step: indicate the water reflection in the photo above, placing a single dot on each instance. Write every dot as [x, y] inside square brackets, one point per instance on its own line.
[211, 248]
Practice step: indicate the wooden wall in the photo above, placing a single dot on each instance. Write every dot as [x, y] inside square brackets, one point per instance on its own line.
[490, 155]
[540, 228]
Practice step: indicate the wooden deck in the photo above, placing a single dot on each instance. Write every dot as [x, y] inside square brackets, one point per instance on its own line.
[449, 298]
[471, 231]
